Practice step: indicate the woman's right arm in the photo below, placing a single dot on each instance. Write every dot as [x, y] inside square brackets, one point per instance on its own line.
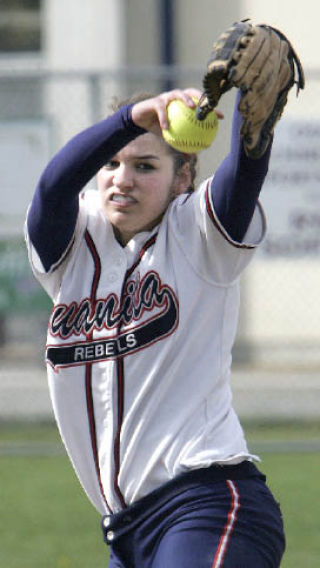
[54, 208]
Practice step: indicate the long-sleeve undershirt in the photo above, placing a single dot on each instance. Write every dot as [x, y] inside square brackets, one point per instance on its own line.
[54, 209]
[237, 183]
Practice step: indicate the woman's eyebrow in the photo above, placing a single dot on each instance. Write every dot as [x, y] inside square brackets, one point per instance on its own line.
[147, 157]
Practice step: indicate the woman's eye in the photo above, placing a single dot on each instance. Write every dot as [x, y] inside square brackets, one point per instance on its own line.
[111, 165]
[145, 166]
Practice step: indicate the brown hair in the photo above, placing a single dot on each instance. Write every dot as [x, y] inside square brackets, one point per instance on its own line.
[179, 158]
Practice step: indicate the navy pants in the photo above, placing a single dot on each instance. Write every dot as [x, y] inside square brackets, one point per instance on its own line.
[209, 518]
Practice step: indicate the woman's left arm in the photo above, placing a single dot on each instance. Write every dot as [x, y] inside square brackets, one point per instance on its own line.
[237, 184]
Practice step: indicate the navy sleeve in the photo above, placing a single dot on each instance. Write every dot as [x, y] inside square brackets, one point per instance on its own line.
[54, 209]
[237, 184]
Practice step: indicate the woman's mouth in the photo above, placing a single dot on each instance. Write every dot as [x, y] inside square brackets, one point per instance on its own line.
[123, 199]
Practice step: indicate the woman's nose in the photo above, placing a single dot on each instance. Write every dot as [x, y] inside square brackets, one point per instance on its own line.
[123, 177]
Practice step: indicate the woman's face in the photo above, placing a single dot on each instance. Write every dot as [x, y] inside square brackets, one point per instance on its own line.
[137, 185]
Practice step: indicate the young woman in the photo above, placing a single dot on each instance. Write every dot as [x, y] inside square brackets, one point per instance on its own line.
[144, 276]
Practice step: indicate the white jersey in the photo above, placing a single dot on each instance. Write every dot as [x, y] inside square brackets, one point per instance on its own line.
[139, 347]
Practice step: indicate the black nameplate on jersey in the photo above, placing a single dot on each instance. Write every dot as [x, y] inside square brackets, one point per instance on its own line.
[137, 338]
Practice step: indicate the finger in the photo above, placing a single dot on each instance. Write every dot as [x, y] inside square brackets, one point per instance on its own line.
[186, 95]
[161, 111]
[193, 93]
[163, 100]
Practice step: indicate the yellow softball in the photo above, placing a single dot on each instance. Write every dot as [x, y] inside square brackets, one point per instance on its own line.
[186, 133]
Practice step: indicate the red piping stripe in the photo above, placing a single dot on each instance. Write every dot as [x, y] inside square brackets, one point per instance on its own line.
[147, 245]
[92, 427]
[121, 380]
[218, 226]
[116, 448]
[88, 373]
[97, 266]
[229, 526]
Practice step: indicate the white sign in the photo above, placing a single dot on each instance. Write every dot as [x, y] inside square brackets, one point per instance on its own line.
[291, 193]
[24, 152]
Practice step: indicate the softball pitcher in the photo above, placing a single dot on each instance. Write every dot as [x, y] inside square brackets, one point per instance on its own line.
[144, 279]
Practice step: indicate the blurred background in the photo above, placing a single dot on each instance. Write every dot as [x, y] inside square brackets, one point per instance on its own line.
[62, 62]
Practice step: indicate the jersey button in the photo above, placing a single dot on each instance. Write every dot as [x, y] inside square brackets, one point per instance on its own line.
[110, 535]
[117, 260]
[113, 277]
[106, 521]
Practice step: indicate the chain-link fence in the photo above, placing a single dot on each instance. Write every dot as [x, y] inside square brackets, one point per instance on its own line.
[280, 318]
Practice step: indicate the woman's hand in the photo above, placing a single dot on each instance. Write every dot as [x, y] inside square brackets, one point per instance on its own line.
[151, 114]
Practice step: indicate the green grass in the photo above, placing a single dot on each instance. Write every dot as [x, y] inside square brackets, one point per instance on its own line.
[294, 479]
[48, 522]
[46, 519]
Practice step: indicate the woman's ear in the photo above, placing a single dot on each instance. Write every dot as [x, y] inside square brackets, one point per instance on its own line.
[182, 180]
